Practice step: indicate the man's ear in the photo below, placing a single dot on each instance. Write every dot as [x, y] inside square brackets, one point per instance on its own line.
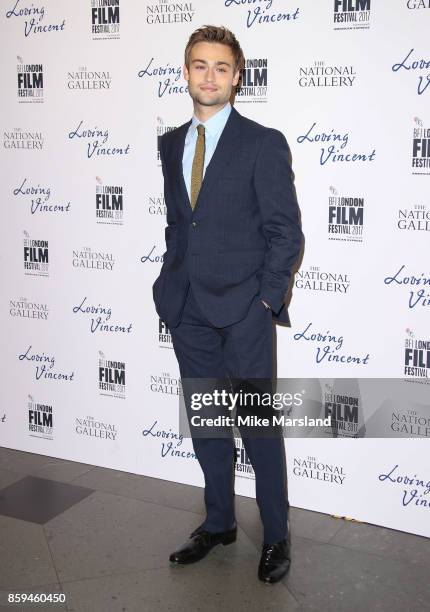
[236, 77]
[185, 72]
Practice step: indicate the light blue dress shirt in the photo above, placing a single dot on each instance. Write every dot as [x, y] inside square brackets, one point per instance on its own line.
[213, 130]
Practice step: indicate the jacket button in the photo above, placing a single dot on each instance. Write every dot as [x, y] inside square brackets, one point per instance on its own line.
[194, 224]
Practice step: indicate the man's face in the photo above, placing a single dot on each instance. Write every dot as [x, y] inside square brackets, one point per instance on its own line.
[211, 74]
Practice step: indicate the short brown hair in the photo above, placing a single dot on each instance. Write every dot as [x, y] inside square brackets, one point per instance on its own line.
[209, 33]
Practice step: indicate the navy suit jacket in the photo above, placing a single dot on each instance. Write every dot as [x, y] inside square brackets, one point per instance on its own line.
[243, 236]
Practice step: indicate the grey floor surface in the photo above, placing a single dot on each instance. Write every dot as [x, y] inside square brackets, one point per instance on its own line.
[103, 538]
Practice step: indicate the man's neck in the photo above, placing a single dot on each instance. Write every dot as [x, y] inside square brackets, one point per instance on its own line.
[204, 113]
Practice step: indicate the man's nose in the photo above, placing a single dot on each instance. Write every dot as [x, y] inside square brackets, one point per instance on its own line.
[210, 75]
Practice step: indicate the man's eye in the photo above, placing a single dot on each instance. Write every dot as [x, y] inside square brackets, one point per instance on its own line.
[221, 70]
[199, 67]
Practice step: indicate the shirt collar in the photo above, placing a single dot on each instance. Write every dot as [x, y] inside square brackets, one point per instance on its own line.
[216, 123]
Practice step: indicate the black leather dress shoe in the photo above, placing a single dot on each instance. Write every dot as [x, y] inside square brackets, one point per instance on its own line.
[200, 543]
[275, 561]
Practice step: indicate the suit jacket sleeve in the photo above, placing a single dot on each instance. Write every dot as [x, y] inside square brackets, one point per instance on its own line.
[169, 232]
[275, 191]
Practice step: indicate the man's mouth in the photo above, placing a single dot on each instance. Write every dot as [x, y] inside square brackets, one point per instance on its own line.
[208, 88]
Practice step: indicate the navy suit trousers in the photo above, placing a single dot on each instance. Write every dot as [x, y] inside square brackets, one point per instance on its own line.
[242, 350]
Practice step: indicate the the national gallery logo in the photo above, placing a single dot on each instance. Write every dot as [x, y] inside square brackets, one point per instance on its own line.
[418, 4]
[88, 79]
[420, 148]
[345, 217]
[253, 82]
[416, 356]
[29, 81]
[156, 205]
[32, 15]
[320, 74]
[314, 278]
[312, 468]
[89, 259]
[410, 423]
[109, 203]
[40, 419]
[24, 308]
[111, 377]
[93, 428]
[105, 19]
[36, 256]
[351, 14]
[166, 11]
[415, 219]
[165, 384]
[18, 138]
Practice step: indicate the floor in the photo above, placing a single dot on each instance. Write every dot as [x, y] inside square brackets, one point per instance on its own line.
[103, 537]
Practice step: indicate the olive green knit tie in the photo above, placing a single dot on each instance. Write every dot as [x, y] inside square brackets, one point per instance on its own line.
[198, 164]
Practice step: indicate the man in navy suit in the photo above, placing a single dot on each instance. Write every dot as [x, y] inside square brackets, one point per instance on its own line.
[232, 238]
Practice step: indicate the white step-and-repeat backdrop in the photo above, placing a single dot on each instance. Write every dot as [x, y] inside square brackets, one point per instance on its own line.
[89, 373]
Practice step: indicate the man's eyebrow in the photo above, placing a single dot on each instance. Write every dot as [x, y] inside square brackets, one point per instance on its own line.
[220, 63]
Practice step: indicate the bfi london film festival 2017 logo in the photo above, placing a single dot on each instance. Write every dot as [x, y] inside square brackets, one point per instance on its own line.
[36, 256]
[416, 357]
[253, 84]
[111, 377]
[105, 19]
[162, 129]
[109, 203]
[29, 82]
[345, 217]
[351, 14]
[40, 419]
[420, 148]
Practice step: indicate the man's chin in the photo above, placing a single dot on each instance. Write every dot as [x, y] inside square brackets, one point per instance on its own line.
[207, 101]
